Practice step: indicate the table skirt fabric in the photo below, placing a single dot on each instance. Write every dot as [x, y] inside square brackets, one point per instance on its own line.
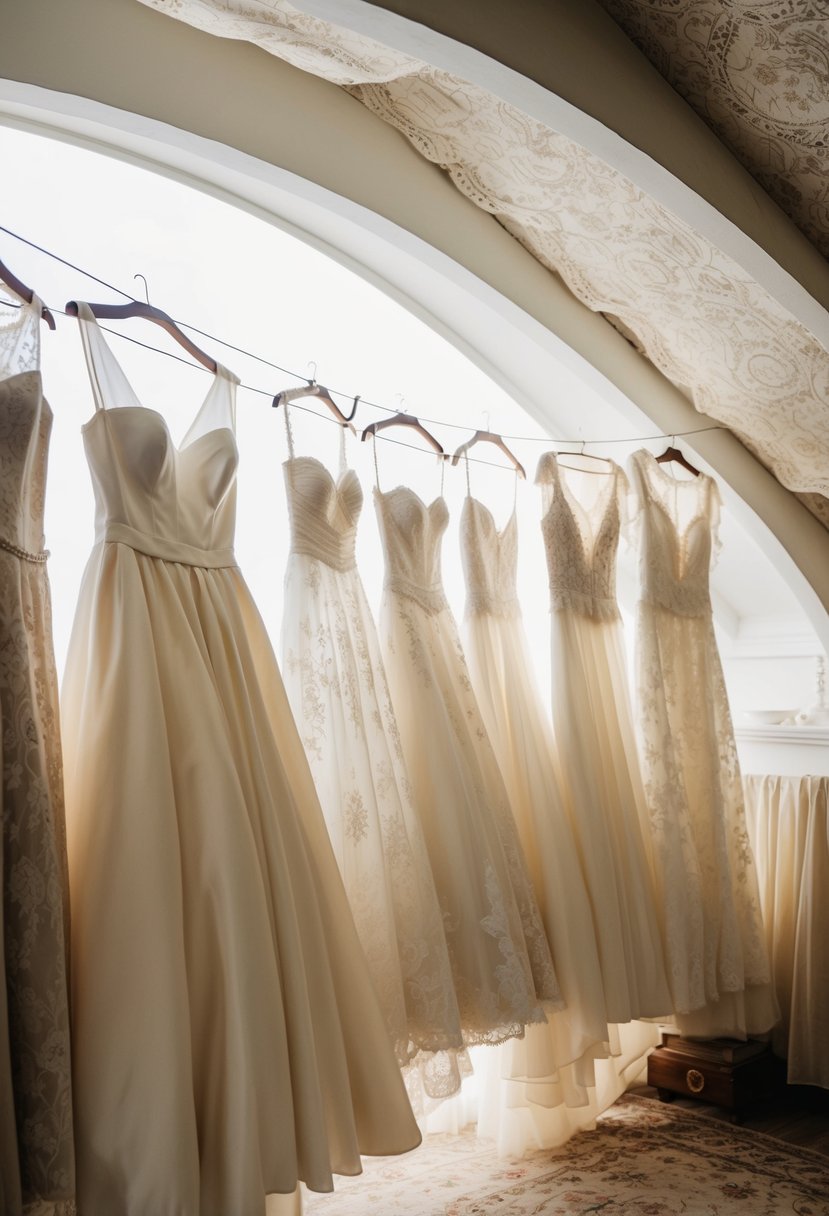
[788, 820]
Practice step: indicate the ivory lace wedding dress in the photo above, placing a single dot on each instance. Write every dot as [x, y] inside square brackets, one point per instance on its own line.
[227, 1039]
[36, 1150]
[593, 727]
[500, 956]
[337, 687]
[557, 1057]
[706, 880]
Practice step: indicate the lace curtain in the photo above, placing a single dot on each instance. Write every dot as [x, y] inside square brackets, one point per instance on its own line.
[698, 316]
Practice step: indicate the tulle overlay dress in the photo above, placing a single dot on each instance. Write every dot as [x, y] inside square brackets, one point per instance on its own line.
[592, 720]
[227, 1038]
[36, 1150]
[706, 880]
[336, 684]
[560, 1054]
[500, 957]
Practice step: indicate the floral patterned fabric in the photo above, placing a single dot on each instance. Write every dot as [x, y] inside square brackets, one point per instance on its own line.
[643, 1159]
[36, 1150]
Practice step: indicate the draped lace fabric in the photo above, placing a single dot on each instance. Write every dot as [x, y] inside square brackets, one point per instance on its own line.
[336, 684]
[500, 957]
[36, 1140]
[705, 875]
[226, 1034]
[553, 1064]
[594, 731]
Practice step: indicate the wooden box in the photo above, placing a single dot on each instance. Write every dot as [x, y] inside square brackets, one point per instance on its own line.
[720, 1071]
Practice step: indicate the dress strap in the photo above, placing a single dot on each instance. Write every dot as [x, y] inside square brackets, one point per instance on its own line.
[110, 386]
[376, 466]
[442, 460]
[343, 460]
[289, 434]
[468, 484]
[515, 492]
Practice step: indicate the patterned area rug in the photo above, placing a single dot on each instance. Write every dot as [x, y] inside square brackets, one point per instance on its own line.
[643, 1159]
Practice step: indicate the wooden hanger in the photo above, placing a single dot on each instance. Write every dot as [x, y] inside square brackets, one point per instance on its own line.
[672, 453]
[25, 293]
[403, 420]
[490, 437]
[147, 312]
[312, 389]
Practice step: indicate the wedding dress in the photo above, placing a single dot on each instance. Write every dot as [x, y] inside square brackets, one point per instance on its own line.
[558, 1057]
[706, 880]
[500, 956]
[593, 728]
[227, 1039]
[36, 1150]
[337, 687]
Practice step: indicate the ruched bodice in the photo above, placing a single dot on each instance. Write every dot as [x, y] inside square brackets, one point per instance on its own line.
[581, 541]
[176, 502]
[490, 559]
[678, 521]
[323, 512]
[412, 535]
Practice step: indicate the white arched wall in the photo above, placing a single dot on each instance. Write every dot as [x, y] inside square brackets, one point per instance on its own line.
[231, 119]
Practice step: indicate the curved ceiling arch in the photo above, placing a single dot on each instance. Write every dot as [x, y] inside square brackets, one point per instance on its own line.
[405, 227]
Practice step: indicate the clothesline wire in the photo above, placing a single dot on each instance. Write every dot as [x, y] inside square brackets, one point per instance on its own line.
[458, 426]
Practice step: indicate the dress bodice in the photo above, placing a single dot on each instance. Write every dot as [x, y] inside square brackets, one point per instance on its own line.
[412, 535]
[581, 540]
[173, 501]
[323, 512]
[25, 428]
[490, 559]
[678, 522]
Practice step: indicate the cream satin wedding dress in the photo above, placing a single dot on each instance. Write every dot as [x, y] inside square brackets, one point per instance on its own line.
[337, 687]
[593, 724]
[706, 880]
[227, 1038]
[501, 960]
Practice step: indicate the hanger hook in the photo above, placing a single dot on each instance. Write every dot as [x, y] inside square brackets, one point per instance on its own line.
[146, 287]
[400, 402]
[487, 421]
[312, 363]
[581, 451]
[353, 408]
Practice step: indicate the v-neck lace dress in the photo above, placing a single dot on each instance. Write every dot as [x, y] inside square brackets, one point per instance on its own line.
[227, 1038]
[336, 684]
[501, 961]
[706, 880]
[518, 725]
[593, 725]
[36, 1150]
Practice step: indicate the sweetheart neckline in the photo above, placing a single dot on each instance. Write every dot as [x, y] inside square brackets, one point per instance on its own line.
[148, 409]
[427, 506]
[335, 481]
[499, 532]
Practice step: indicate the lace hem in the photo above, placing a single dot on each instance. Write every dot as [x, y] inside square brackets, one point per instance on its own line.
[431, 599]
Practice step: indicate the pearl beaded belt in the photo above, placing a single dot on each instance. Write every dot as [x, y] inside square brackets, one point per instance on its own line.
[24, 554]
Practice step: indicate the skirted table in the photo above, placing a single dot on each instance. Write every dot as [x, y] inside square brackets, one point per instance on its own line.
[788, 819]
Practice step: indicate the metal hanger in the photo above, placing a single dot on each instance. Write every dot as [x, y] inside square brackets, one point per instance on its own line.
[25, 293]
[582, 455]
[312, 389]
[408, 420]
[490, 437]
[672, 453]
[147, 312]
